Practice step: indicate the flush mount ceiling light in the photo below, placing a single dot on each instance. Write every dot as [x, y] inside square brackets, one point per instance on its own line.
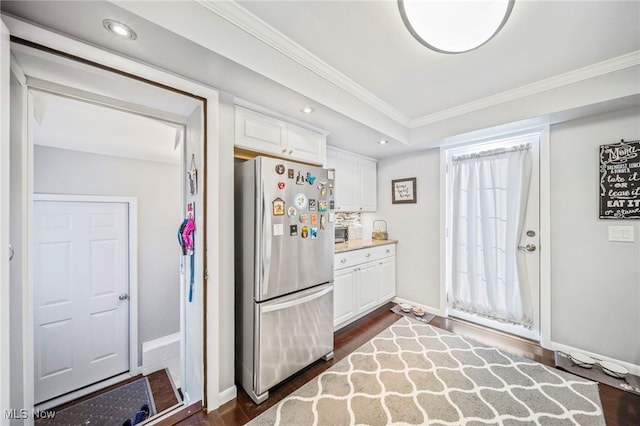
[454, 26]
[307, 110]
[120, 29]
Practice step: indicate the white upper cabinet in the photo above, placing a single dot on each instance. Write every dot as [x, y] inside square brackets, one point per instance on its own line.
[355, 181]
[258, 132]
[368, 185]
[345, 181]
[306, 145]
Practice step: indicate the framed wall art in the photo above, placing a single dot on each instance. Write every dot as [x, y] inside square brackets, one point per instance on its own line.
[403, 191]
[620, 180]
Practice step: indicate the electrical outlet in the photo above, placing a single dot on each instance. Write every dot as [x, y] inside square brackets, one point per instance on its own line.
[621, 233]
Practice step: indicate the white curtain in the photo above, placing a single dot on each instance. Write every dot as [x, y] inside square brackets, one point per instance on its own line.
[490, 191]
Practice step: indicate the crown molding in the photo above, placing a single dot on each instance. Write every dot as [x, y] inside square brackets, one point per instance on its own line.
[237, 15]
[598, 69]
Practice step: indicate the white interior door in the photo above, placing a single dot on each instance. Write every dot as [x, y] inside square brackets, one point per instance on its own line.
[81, 303]
[526, 248]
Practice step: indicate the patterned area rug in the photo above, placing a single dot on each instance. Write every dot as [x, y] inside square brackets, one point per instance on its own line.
[413, 373]
[111, 408]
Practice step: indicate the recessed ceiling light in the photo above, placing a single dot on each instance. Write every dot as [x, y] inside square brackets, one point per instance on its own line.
[120, 29]
[307, 110]
[383, 141]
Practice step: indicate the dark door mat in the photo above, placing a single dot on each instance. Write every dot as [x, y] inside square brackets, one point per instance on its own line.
[426, 318]
[630, 383]
[111, 408]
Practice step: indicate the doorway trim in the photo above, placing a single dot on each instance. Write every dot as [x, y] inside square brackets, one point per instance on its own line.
[485, 136]
[132, 245]
[212, 396]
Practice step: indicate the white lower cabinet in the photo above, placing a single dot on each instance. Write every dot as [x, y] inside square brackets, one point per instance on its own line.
[344, 290]
[388, 275]
[363, 280]
[367, 286]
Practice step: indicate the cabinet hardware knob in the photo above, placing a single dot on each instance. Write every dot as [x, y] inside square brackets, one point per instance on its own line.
[123, 296]
[387, 251]
[290, 151]
[368, 255]
[343, 260]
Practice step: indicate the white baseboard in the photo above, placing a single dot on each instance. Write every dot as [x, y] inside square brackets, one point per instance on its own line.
[161, 353]
[428, 309]
[633, 368]
[227, 394]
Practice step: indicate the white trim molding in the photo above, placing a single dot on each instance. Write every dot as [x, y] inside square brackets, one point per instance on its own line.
[581, 74]
[428, 309]
[56, 41]
[633, 368]
[237, 15]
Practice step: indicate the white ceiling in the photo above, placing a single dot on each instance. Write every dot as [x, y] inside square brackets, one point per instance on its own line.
[67, 123]
[83, 108]
[367, 42]
[364, 73]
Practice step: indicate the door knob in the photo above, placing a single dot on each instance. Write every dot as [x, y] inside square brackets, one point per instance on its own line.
[123, 296]
[528, 247]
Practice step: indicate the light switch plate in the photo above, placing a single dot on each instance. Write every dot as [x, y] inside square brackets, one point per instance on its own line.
[621, 233]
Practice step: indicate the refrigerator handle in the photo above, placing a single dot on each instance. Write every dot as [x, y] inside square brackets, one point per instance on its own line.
[266, 239]
[295, 302]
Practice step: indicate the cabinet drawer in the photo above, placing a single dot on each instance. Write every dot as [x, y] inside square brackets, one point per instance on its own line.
[356, 257]
[348, 258]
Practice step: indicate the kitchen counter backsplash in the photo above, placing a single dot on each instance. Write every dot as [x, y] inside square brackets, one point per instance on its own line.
[347, 218]
[352, 221]
[360, 244]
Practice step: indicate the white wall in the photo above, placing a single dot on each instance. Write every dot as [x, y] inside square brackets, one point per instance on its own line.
[157, 188]
[415, 226]
[226, 306]
[595, 284]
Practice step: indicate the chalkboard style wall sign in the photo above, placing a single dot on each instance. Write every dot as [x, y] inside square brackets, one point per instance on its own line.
[620, 180]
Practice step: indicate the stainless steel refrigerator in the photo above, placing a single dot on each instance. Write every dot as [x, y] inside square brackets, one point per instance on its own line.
[284, 270]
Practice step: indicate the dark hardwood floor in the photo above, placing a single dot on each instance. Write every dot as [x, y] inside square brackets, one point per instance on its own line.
[620, 408]
[164, 395]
